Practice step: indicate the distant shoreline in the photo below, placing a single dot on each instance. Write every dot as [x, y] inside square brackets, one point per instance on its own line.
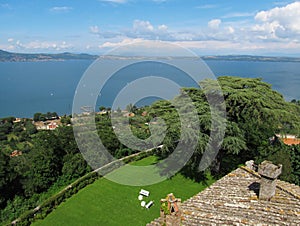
[252, 58]
[42, 57]
[38, 57]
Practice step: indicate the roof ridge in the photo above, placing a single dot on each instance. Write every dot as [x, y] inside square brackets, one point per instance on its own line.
[291, 189]
[254, 173]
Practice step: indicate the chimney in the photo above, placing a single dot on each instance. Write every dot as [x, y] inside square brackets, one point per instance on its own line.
[251, 165]
[269, 173]
[170, 210]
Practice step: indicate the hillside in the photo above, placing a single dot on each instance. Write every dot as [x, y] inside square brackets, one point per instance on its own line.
[21, 57]
[252, 58]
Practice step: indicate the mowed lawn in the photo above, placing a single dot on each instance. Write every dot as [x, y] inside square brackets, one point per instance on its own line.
[108, 203]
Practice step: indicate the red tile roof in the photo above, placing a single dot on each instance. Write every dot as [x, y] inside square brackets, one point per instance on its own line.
[291, 141]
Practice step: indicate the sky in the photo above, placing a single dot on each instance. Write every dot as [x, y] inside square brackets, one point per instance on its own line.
[208, 27]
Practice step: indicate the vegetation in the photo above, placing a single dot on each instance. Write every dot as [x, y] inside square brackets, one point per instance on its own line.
[294, 101]
[9, 56]
[36, 164]
[43, 163]
[107, 203]
[255, 113]
[44, 117]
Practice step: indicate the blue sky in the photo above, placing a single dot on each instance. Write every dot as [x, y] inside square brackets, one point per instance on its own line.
[267, 27]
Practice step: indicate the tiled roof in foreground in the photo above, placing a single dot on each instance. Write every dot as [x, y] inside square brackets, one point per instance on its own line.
[233, 200]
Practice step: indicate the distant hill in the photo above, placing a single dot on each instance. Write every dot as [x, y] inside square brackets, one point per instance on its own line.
[252, 58]
[8, 56]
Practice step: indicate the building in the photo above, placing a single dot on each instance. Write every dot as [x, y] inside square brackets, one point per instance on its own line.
[47, 125]
[52, 126]
[17, 120]
[289, 139]
[244, 197]
[15, 153]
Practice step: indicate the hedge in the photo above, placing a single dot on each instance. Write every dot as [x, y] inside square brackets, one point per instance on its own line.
[50, 204]
[41, 211]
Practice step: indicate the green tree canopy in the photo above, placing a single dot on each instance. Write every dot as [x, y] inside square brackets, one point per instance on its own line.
[254, 113]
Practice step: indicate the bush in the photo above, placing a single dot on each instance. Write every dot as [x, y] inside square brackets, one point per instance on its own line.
[50, 204]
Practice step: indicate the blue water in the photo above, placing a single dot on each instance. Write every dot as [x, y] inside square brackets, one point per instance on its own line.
[30, 87]
[283, 76]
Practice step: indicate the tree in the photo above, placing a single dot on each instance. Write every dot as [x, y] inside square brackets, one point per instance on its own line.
[254, 113]
[259, 111]
[131, 108]
[102, 108]
[43, 170]
[36, 116]
[6, 127]
[54, 115]
[17, 127]
[4, 178]
[66, 140]
[295, 162]
[30, 128]
[43, 163]
[294, 101]
[66, 120]
[74, 166]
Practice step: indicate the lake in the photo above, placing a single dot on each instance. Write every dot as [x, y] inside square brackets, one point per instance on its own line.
[30, 87]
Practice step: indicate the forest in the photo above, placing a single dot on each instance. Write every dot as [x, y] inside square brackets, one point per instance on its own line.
[45, 161]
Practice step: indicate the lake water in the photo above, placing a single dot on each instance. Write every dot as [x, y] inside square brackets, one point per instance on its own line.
[30, 87]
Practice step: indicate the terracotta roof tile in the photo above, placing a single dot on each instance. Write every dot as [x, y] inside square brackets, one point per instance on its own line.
[233, 200]
[291, 141]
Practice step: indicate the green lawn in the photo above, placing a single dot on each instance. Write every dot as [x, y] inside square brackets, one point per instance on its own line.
[108, 203]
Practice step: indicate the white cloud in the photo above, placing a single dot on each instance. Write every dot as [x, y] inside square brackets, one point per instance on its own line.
[94, 29]
[214, 24]
[147, 31]
[114, 1]
[61, 9]
[11, 47]
[10, 39]
[141, 26]
[207, 6]
[125, 41]
[162, 27]
[274, 30]
[41, 45]
[183, 36]
[209, 44]
[230, 30]
[244, 47]
[280, 22]
[144, 29]
[159, 1]
[238, 14]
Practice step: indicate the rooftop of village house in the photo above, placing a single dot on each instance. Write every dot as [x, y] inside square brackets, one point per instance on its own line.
[234, 200]
[289, 139]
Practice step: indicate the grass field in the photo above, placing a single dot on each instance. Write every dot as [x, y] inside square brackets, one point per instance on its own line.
[108, 203]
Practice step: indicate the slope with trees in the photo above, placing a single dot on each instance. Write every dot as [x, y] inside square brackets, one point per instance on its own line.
[254, 114]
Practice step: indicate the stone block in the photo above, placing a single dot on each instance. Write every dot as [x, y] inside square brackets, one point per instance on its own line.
[269, 170]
